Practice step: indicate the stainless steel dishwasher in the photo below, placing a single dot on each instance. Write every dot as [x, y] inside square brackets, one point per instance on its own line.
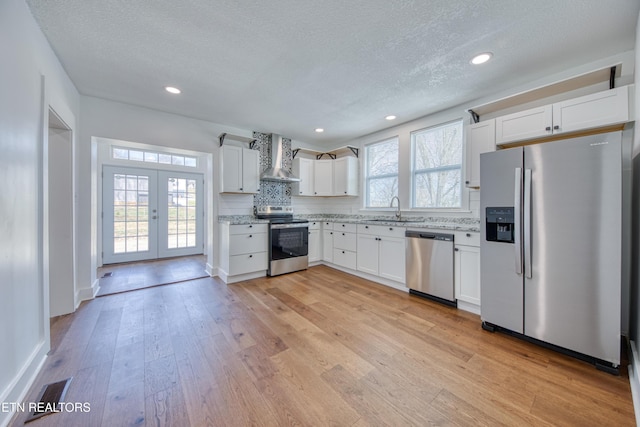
[430, 265]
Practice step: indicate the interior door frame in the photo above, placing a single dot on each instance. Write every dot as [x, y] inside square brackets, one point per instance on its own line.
[102, 149]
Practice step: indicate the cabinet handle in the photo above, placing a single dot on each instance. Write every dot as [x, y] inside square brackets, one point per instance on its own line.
[315, 192]
[331, 232]
[456, 249]
[548, 128]
[343, 234]
[342, 251]
[301, 192]
[556, 127]
[468, 234]
[390, 228]
[241, 189]
[366, 226]
[345, 192]
[251, 226]
[466, 182]
[343, 225]
[250, 256]
[250, 235]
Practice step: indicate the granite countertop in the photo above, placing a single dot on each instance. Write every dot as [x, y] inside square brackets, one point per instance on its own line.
[437, 223]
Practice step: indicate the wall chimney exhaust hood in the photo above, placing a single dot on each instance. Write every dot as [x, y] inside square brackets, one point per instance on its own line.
[276, 172]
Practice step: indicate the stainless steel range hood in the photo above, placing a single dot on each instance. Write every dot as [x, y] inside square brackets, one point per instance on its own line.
[276, 172]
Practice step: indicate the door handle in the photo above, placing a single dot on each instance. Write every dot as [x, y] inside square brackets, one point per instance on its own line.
[517, 203]
[527, 223]
[154, 217]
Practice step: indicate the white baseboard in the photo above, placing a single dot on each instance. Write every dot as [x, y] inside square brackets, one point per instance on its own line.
[211, 270]
[471, 308]
[240, 277]
[381, 280]
[634, 379]
[17, 390]
[86, 294]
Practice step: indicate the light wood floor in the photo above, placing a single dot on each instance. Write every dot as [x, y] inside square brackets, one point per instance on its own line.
[315, 348]
[145, 274]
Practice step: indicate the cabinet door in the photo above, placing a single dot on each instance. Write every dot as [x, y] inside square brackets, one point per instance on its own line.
[367, 255]
[591, 111]
[231, 169]
[392, 258]
[345, 176]
[327, 245]
[323, 178]
[250, 170]
[303, 169]
[523, 125]
[481, 138]
[467, 268]
[314, 245]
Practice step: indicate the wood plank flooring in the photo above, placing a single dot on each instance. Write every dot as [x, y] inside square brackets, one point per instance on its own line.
[314, 348]
[145, 274]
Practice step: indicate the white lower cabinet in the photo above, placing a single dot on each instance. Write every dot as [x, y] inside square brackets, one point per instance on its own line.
[243, 250]
[344, 245]
[327, 245]
[315, 243]
[381, 251]
[467, 268]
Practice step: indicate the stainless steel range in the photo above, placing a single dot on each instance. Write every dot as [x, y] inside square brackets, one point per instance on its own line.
[288, 237]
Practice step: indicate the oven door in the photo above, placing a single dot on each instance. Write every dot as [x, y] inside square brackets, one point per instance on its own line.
[289, 248]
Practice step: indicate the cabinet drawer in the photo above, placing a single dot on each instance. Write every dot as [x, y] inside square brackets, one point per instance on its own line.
[314, 225]
[381, 230]
[248, 243]
[341, 226]
[344, 258]
[467, 238]
[248, 228]
[345, 241]
[247, 263]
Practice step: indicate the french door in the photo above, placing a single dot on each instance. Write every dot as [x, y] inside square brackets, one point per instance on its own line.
[150, 214]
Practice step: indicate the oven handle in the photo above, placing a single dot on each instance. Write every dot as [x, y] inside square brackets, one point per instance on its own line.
[297, 225]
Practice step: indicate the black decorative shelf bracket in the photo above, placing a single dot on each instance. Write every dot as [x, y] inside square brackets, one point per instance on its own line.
[221, 138]
[294, 153]
[354, 150]
[612, 78]
[474, 116]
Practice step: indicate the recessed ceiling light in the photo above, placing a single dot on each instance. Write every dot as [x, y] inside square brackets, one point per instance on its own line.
[319, 130]
[481, 58]
[391, 117]
[172, 89]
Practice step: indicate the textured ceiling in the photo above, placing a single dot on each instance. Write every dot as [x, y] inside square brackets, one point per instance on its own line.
[289, 66]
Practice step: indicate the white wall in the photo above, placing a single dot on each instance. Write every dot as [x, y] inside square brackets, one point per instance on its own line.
[31, 80]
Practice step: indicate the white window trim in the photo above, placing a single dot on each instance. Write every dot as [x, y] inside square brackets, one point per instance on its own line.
[464, 192]
[367, 178]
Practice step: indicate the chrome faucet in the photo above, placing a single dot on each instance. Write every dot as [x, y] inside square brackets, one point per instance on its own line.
[398, 213]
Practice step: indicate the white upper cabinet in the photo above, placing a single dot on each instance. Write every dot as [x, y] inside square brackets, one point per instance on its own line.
[345, 176]
[338, 177]
[239, 170]
[592, 111]
[303, 169]
[523, 125]
[606, 108]
[481, 138]
[323, 178]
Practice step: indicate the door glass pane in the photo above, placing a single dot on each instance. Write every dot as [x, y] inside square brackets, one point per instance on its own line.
[130, 213]
[182, 213]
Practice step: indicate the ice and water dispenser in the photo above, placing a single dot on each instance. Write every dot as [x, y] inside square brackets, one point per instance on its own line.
[500, 225]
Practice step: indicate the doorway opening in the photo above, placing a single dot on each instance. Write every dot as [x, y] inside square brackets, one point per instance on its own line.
[62, 289]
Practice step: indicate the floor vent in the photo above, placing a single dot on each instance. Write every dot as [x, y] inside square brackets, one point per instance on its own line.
[109, 274]
[50, 398]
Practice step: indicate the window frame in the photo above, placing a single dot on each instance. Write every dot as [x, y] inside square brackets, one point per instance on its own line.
[459, 166]
[368, 178]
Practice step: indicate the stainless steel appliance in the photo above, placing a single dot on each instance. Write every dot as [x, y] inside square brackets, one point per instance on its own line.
[288, 237]
[429, 262]
[551, 247]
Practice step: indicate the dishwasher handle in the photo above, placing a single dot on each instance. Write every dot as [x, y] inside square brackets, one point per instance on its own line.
[427, 235]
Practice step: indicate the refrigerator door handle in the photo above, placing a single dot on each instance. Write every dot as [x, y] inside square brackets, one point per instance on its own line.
[517, 203]
[527, 223]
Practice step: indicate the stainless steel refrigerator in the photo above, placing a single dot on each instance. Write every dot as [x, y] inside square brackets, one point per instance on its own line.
[550, 252]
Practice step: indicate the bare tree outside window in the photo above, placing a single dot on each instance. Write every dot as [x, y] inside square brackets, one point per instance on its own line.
[437, 166]
[381, 173]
